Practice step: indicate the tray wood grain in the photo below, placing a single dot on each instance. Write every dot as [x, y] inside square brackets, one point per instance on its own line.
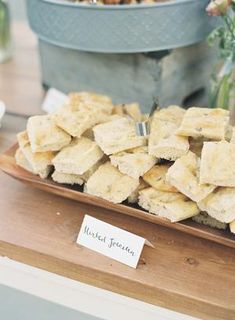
[9, 166]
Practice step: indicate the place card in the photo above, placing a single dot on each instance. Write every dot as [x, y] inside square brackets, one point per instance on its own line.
[54, 100]
[111, 241]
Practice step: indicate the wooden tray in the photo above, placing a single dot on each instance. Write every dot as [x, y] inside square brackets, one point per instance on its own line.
[9, 166]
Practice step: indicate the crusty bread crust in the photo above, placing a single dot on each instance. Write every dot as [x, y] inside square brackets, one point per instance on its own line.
[22, 161]
[67, 178]
[40, 162]
[173, 206]
[220, 204]
[232, 226]
[207, 220]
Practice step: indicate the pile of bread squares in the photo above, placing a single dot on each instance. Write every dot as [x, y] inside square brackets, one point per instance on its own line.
[184, 169]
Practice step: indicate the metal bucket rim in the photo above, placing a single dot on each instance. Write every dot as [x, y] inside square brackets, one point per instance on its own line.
[170, 3]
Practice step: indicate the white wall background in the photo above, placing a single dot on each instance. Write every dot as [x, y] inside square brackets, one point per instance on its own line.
[17, 8]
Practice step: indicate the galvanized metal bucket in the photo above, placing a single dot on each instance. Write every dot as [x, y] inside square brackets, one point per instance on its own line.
[120, 28]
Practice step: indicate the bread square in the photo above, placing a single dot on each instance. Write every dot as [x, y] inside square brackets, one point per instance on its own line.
[217, 164]
[184, 176]
[232, 138]
[172, 114]
[164, 143]
[67, 178]
[78, 157]
[75, 123]
[86, 175]
[133, 110]
[133, 162]
[207, 220]
[204, 122]
[156, 178]
[90, 101]
[22, 161]
[170, 205]
[40, 162]
[133, 197]
[232, 226]
[45, 135]
[23, 139]
[110, 184]
[220, 204]
[117, 135]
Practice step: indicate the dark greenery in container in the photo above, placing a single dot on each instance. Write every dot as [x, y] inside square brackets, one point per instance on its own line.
[223, 81]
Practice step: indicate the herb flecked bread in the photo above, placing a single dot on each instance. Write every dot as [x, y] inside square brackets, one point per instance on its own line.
[183, 169]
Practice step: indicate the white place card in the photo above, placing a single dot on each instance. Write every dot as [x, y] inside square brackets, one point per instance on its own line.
[111, 241]
[54, 100]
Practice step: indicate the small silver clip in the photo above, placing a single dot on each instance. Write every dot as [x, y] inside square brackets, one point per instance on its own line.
[143, 128]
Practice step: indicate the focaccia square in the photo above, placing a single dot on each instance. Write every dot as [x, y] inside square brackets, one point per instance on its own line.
[67, 178]
[232, 226]
[133, 110]
[156, 178]
[110, 184]
[217, 164]
[220, 204]
[117, 135]
[204, 122]
[207, 220]
[232, 138]
[40, 162]
[172, 114]
[134, 196]
[75, 123]
[164, 143]
[22, 161]
[86, 175]
[45, 135]
[133, 162]
[184, 176]
[90, 101]
[78, 157]
[170, 205]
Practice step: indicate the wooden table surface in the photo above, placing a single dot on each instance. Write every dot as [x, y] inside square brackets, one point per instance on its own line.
[183, 273]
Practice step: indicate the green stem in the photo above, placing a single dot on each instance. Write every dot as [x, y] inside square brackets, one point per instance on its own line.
[4, 24]
[223, 93]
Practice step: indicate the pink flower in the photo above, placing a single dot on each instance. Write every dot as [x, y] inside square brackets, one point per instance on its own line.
[218, 7]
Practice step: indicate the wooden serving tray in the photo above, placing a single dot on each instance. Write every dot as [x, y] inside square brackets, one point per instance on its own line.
[9, 166]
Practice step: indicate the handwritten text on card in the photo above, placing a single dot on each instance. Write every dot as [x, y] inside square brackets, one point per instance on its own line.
[111, 241]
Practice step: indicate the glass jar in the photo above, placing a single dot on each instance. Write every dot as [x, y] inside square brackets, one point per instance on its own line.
[5, 35]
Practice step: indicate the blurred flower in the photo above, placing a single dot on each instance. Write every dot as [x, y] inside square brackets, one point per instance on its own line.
[218, 7]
